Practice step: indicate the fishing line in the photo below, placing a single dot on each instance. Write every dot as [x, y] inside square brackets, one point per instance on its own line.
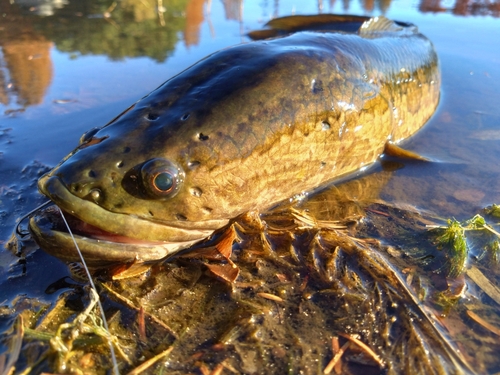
[22, 234]
[105, 323]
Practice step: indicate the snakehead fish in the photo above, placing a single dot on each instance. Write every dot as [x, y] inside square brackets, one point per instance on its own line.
[243, 129]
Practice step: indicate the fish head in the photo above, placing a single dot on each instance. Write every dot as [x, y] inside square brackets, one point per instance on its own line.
[131, 188]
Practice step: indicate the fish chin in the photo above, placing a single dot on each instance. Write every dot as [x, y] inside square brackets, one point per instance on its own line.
[98, 247]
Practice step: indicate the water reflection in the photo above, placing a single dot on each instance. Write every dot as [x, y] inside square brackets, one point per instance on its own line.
[42, 7]
[25, 64]
[233, 9]
[194, 19]
[129, 28]
[463, 7]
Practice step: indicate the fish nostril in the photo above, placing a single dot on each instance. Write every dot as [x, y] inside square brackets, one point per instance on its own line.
[95, 194]
[193, 164]
[91, 174]
[196, 191]
[180, 217]
[152, 116]
[119, 164]
[203, 137]
[75, 187]
[185, 116]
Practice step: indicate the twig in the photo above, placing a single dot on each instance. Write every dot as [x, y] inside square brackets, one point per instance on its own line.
[336, 358]
[150, 362]
[365, 348]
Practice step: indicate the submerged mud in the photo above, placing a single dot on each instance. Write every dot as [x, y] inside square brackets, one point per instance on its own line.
[272, 303]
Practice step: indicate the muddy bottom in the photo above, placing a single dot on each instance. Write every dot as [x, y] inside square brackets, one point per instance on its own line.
[298, 292]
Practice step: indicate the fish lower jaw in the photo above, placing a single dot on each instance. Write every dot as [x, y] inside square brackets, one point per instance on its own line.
[98, 247]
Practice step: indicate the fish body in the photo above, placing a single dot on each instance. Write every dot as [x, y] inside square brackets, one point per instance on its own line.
[241, 130]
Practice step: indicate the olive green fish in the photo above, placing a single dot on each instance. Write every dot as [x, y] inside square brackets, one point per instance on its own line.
[243, 129]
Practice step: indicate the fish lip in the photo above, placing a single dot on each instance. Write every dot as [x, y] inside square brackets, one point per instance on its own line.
[96, 252]
[123, 224]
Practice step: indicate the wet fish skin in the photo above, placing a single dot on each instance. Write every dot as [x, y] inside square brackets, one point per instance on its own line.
[248, 127]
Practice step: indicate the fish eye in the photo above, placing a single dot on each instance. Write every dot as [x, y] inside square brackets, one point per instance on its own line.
[161, 178]
[164, 182]
[87, 136]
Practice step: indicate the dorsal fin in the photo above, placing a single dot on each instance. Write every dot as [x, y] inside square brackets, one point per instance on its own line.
[320, 22]
[315, 22]
[377, 25]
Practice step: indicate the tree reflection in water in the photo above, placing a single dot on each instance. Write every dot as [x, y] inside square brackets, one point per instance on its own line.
[127, 29]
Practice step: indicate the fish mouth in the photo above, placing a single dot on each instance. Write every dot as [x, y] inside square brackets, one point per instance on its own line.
[98, 247]
[123, 239]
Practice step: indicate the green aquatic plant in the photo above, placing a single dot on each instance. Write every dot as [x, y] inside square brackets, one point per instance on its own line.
[493, 249]
[476, 223]
[493, 210]
[453, 239]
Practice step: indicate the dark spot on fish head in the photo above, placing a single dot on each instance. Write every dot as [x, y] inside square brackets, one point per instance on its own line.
[185, 116]
[180, 217]
[196, 191]
[193, 164]
[91, 174]
[119, 164]
[316, 86]
[126, 150]
[152, 116]
[202, 137]
[75, 188]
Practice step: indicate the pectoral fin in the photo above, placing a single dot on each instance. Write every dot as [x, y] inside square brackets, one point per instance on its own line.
[392, 150]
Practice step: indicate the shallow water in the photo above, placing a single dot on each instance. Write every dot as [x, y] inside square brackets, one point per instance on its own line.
[68, 66]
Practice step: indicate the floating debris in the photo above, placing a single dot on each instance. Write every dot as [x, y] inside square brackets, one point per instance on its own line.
[484, 323]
